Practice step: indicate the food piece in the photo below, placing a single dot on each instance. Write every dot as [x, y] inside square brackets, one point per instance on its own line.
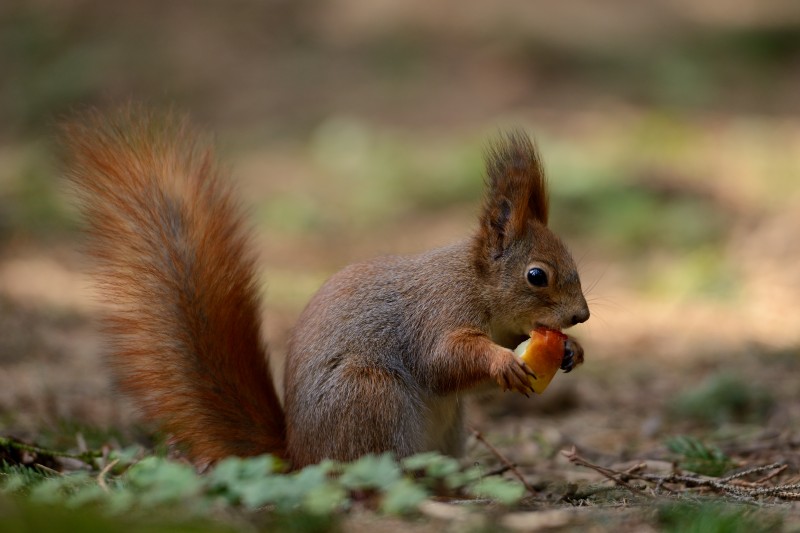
[543, 354]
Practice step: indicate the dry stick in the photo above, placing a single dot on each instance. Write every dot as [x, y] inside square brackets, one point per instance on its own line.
[737, 491]
[635, 469]
[793, 479]
[726, 484]
[101, 477]
[774, 473]
[780, 489]
[613, 475]
[753, 470]
[47, 469]
[503, 459]
[729, 484]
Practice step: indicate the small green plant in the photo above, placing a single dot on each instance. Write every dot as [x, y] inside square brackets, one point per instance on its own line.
[698, 457]
[127, 487]
[715, 517]
[723, 398]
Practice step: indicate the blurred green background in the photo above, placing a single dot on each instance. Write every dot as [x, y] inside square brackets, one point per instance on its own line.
[670, 130]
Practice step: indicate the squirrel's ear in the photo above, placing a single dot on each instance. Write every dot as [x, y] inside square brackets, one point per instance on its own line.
[516, 191]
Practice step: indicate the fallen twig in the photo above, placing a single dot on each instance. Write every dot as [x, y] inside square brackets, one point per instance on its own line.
[503, 459]
[613, 475]
[732, 485]
[771, 475]
[101, 477]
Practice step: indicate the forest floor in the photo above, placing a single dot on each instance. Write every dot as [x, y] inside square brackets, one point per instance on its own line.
[672, 141]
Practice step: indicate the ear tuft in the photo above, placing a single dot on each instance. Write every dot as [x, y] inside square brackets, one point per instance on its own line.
[515, 172]
[516, 195]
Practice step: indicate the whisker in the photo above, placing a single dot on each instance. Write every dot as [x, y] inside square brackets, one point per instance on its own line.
[601, 301]
[591, 324]
[579, 260]
[596, 281]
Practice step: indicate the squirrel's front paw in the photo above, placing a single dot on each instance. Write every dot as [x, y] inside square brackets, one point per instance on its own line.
[511, 373]
[573, 355]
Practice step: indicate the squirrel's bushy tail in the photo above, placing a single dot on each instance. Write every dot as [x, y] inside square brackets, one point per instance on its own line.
[177, 273]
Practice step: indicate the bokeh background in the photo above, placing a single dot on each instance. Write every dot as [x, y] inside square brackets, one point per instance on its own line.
[670, 130]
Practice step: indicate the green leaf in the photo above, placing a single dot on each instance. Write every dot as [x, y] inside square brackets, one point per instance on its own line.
[120, 502]
[86, 495]
[267, 490]
[126, 456]
[371, 472]
[311, 476]
[233, 470]
[496, 488]
[462, 478]
[433, 464]
[49, 491]
[160, 481]
[325, 499]
[420, 461]
[53, 490]
[403, 497]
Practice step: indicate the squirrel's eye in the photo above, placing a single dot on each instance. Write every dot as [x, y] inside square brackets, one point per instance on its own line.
[537, 277]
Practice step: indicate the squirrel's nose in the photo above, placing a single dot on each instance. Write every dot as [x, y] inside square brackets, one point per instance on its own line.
[580, 316]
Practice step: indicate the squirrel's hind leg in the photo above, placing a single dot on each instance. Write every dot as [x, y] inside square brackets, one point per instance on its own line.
[370, 410]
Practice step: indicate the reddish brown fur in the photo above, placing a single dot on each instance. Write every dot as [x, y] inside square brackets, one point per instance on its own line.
[381, 354]
[465, 358]
[516, 174]
[176, 271]
[516, 194]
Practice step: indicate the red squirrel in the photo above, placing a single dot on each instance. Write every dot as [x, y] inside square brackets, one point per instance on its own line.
[381, 355]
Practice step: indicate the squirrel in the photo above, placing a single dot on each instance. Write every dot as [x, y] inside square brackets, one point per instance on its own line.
[381, 355]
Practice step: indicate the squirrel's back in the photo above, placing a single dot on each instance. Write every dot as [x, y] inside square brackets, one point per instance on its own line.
[174, 265]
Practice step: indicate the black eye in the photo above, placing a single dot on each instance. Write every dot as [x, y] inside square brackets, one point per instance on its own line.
[537, 277]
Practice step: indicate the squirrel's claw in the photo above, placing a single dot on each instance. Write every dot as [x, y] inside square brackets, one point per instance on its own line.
[573, 355]
[567, 364]
[513, 374]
